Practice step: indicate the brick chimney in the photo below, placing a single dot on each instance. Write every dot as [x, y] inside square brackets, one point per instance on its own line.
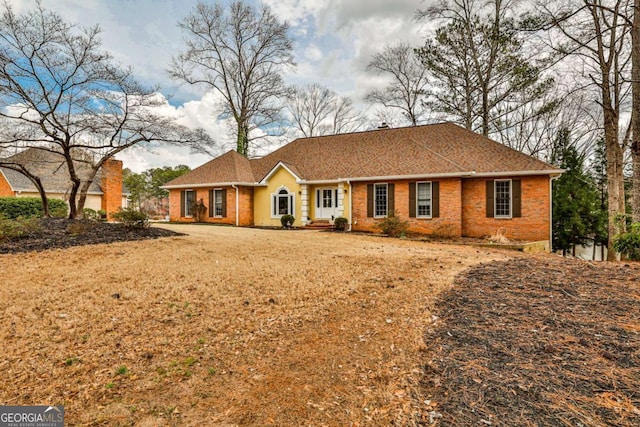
[111, 184]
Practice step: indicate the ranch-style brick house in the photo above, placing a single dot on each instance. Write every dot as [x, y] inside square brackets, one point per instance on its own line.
[444, 179]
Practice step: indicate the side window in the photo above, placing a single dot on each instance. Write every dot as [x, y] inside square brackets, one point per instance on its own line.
[423, 200]
[381, 208]
[502, 198]
[189, 199]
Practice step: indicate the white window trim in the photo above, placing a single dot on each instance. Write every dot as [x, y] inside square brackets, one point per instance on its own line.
[386, 186]
[292, 202]
[430, 216]
[186, 203]
[495, 199]
[214, 202]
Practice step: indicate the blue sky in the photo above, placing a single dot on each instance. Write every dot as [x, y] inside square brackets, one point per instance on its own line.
[334, 41]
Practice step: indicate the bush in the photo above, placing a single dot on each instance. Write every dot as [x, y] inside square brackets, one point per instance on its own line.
[81, 226]
[30, 207]
[393, 225]
[198, 209]
[628, 244]
[132, 218]
[102, 215]
[19, 227]
[88, 213]
[341, 223]
[287, 221]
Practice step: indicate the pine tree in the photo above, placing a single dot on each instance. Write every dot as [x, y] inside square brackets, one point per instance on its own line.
[577, 212]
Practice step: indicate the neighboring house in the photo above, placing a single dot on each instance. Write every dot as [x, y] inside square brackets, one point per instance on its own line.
[106, 191]
[444, 179]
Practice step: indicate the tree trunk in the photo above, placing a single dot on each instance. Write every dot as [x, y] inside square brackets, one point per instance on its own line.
[615, 179]
[635, 110]
[43, 197]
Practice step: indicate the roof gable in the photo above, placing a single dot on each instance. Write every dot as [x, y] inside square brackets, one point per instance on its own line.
[281, 165]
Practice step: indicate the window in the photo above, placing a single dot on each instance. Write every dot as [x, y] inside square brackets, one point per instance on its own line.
[423, 199]
[282, 203]
[502, 200]
[381, 200]
[218, 203]
[189, 200]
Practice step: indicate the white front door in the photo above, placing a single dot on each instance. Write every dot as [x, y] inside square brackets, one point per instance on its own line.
[326, 203]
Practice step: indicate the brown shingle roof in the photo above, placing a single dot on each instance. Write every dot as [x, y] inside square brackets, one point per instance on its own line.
[438, 149]
[231, 167]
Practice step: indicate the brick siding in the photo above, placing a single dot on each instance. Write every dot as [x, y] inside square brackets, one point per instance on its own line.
[5, 188]
[111, 185]
[245, 203]
[532, 226]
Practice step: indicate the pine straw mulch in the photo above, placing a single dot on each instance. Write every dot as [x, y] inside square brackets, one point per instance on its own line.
[537, 342]
[59, 233]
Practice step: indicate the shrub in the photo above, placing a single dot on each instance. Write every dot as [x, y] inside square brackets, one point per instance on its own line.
[198, 209]
[132, 218]
[81, 226]
[19, 227]
[30, 207]
[341, 223]
[393, 225]
[287, 221]
[102, 215]
[628, 244]
[88, 213]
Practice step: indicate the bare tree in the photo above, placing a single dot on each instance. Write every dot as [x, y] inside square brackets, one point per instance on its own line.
[635, 111]
[407, 85]
[239, 52]
[484, 73]
[596, 34]
[60, 93]
[317, 110]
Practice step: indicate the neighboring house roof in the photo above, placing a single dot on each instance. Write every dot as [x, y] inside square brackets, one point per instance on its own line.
[443, 149]
[51, 169]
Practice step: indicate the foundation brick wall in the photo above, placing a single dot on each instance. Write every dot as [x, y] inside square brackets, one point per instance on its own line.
[532, 226]
[111, 184]
[5, 188]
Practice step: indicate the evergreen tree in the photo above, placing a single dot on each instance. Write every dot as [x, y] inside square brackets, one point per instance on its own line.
[577, 216]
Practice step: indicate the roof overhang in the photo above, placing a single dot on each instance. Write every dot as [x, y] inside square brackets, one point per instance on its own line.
[551, 172]
[209, 185]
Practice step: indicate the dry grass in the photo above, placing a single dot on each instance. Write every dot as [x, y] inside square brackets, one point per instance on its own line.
[225, 327]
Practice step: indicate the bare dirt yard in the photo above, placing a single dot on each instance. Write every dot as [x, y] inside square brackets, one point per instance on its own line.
[245, 327]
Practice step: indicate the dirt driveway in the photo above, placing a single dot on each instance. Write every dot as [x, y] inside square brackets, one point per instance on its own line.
[225, 326]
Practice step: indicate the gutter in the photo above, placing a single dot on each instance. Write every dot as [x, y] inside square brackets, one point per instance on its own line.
[210, 184]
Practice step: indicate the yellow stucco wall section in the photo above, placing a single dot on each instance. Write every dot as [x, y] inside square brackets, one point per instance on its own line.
[262, 198]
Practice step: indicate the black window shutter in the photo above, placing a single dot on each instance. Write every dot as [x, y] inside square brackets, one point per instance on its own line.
[370, 200]
[224, 202]
[391, 206]
[516, 192]
[435, 199]
[489, 199]
[318, 197]
[412, 200]
[182, 200]
[211, 203]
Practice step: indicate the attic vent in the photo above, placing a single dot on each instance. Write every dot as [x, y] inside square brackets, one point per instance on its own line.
[384, 125]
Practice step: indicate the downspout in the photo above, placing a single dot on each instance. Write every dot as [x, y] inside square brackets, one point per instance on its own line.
[551, 179]
[237, 204]
[350, 205]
